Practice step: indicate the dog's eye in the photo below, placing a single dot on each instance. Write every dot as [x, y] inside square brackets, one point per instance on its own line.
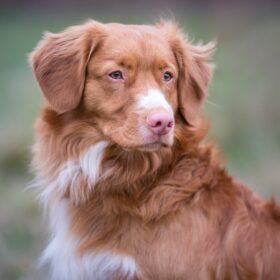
[116, 75]
[167, 76]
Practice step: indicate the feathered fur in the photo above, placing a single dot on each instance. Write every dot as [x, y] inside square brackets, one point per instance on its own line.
[119, 210]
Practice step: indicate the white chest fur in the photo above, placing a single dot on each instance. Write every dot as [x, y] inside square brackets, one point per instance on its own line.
[60, 254]
[66, 264]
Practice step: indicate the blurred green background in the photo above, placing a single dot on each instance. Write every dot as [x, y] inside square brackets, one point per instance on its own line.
[243, 105]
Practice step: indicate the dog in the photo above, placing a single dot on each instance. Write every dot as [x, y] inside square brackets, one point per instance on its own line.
[131, 188]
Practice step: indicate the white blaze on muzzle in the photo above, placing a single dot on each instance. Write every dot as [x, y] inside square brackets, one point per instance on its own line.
[153, 100]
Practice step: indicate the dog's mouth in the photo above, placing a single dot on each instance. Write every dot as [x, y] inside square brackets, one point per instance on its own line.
[149, 143]
[148, 147]
[151, 147]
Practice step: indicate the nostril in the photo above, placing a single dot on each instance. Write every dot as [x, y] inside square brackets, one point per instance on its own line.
[158, 124]
[170, 124]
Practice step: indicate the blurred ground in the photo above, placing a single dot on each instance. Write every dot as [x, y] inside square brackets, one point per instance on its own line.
[244, 108]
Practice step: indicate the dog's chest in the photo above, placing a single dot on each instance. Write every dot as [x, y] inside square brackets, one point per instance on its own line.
[133, 250]
[66, 263]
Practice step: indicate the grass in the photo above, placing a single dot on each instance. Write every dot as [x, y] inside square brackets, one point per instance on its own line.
[243, 106]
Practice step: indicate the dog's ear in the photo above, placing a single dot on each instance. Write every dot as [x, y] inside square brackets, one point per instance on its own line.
[59, 63]
[195, 71]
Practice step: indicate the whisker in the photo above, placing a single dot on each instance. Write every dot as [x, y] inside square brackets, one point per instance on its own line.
[213, 103]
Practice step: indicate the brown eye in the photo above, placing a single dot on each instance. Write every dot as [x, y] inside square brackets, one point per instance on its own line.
[116, 75]
[167, 76]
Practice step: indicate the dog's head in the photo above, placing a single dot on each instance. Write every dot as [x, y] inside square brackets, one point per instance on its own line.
[131, 82]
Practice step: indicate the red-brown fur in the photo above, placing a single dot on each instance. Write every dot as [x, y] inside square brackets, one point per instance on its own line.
[175, 210]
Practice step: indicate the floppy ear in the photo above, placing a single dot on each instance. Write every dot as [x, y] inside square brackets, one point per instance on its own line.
[59, 63]
[195, 71]
[195, 75]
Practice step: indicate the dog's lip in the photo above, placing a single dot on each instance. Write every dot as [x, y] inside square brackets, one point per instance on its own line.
[152, 146]
[147, 147]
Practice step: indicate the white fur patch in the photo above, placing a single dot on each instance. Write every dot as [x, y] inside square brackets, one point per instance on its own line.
[88, 166]
[90, 161]
[60, 254]
[65, 264]
[152, 100]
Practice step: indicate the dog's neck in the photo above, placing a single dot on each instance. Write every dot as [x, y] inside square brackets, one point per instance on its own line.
[124, 170]
[153, 194]
[140, 175]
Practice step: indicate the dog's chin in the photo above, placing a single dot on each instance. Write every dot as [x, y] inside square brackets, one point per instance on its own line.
[150, 146]
[147, 144]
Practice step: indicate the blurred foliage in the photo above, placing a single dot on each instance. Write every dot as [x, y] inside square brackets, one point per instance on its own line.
[243, 106]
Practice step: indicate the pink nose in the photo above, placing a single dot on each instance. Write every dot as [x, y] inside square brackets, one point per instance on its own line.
[160, 123]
